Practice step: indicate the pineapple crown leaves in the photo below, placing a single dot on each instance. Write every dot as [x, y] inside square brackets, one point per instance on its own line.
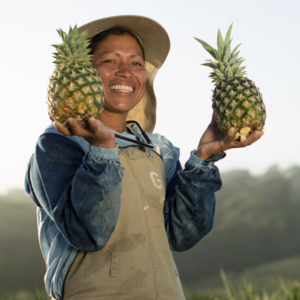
[74, 47]
[226, 62]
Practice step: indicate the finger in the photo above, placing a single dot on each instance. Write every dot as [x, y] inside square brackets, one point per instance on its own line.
[255, 137]
[61, 128]
[100, 131]
[226, 143]
[76, 129]
[97, 128]
[95, 125]
[229, 137]
[252, 138]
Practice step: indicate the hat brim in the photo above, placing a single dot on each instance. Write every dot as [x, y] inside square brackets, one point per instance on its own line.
[155, 40]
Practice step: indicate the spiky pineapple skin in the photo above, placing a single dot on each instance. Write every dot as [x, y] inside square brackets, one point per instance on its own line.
[75, 90]
[238, 103]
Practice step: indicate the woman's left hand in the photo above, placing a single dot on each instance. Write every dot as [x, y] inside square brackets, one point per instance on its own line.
[213, 141]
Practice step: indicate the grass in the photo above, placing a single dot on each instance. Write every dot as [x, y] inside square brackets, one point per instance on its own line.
[24, 296]
[263, 276]
[205, 294]
[246, 291]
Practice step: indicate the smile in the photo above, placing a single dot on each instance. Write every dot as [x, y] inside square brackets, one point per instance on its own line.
[122, 88]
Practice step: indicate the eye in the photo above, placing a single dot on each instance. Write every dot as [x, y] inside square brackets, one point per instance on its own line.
[109, 61]
[136, 63]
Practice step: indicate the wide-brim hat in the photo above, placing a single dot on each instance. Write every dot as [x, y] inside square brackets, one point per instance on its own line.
[156, 44]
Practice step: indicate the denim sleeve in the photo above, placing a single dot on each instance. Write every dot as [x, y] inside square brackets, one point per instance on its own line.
[190, 202]
[80, 193]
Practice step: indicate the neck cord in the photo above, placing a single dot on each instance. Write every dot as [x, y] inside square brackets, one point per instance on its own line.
[148, 143]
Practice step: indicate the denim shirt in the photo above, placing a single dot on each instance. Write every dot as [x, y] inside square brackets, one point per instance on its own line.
[77, 189]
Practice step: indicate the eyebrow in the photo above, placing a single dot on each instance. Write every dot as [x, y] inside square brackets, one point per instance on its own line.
[118, 54]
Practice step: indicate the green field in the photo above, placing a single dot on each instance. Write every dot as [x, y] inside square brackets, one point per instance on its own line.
[255, 236]
[264, 285]
[262, 277]
[272, 278]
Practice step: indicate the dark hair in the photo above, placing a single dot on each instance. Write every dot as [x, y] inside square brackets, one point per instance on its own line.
[96, 39]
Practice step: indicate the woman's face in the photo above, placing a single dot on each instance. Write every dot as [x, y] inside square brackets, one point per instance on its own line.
[120, 64]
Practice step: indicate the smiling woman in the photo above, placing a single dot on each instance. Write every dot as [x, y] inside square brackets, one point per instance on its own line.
[109, 210]
[119, 62]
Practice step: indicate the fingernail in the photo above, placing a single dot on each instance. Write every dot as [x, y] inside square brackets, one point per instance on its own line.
[70, 121]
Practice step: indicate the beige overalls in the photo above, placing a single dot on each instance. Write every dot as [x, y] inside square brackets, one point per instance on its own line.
[136, 262]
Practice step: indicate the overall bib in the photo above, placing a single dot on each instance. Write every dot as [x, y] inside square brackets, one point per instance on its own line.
[136, 262]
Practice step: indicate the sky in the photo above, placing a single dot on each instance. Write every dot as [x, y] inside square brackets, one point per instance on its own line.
[268, 31]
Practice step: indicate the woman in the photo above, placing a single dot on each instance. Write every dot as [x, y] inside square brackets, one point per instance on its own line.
[110, 209]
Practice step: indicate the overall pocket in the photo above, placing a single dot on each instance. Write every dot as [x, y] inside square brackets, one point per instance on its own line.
[113, 264]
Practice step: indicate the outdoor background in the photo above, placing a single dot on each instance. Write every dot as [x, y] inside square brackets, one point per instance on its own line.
[256, 233]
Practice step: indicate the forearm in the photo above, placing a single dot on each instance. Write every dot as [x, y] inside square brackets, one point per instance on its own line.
[81, 194]
[190, 203]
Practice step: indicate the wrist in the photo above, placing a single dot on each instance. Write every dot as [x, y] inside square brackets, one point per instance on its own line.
[199, 162]
[204, 154]
[105, 145]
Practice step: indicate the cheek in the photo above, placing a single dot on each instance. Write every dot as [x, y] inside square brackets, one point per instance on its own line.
[102, 73]
[143, 78]
[104, 77]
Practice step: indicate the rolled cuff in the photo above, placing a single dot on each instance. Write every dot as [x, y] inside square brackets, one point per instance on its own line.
[104, 153]
[198, 162]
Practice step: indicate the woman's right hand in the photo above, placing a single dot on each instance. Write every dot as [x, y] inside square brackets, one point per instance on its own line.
[96, 134]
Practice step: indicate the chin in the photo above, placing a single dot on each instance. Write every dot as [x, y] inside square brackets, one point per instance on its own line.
[120, 107]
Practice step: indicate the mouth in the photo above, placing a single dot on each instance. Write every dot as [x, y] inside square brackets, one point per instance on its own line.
[122, 88]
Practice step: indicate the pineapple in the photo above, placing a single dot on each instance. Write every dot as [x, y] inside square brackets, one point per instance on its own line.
[75, 89]
[237, 102]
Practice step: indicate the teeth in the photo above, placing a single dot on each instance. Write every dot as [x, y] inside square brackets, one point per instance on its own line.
[122, 88]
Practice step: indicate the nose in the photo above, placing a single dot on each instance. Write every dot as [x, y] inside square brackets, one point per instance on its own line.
[124, 70]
